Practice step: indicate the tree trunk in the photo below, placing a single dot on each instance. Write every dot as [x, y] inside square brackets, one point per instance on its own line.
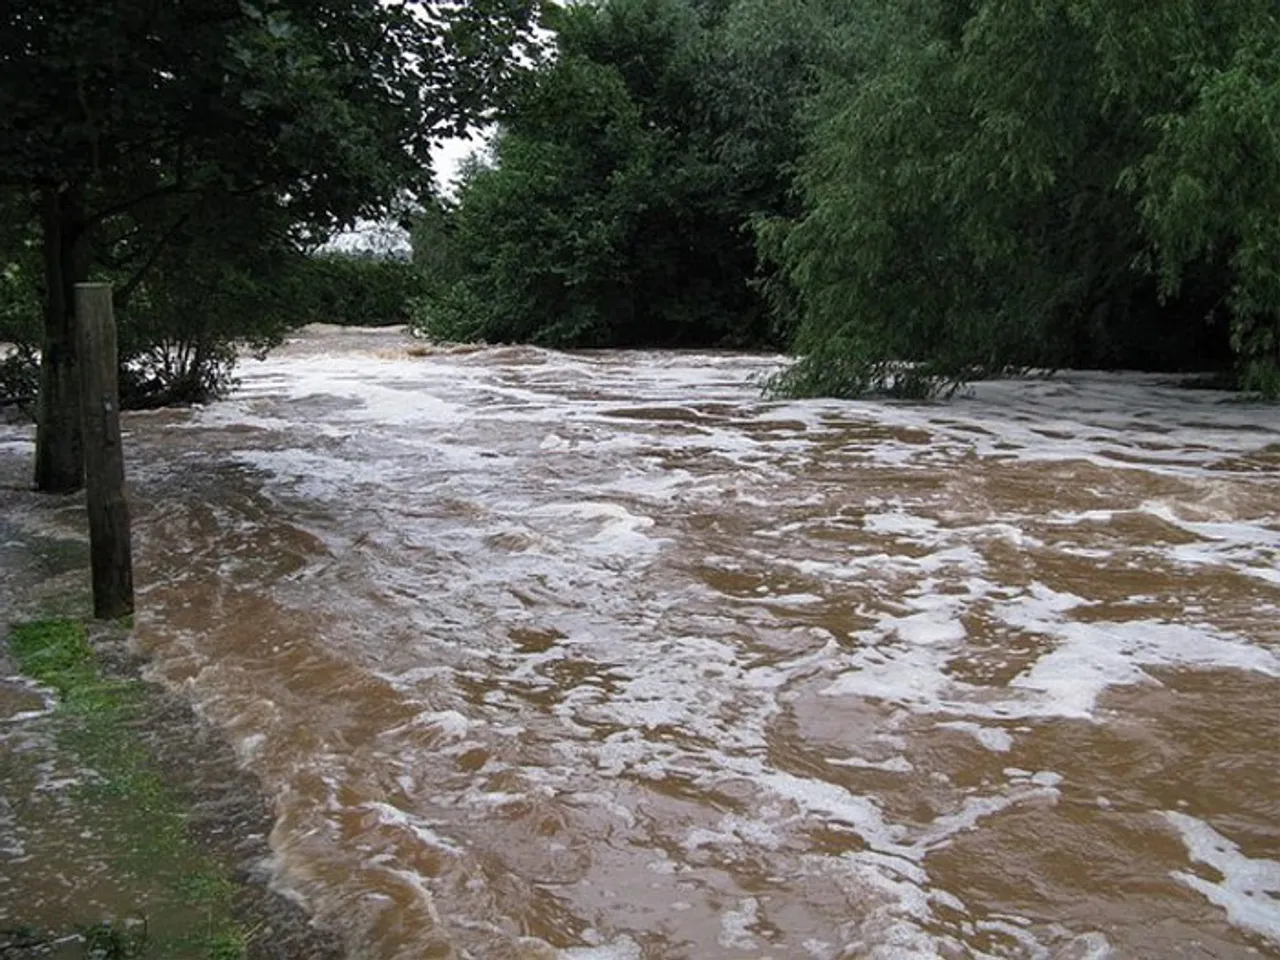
[59, 443]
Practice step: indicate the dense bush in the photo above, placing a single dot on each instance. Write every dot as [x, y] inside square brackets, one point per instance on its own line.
[20, 321]
[360, 290]
[127, 125]
[228, 277]
[1071, 183]
[616, 209]
[939, 190]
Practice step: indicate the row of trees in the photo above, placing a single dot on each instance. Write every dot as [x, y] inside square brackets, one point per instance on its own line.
[1075, 182]
[909, 193]
[616, 206]
[182, 330]
[192, 151]
[906, 192]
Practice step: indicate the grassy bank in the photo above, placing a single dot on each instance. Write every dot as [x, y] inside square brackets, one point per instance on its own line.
[182, 898]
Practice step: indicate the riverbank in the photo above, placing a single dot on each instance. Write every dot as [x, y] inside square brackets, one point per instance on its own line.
[126, 822]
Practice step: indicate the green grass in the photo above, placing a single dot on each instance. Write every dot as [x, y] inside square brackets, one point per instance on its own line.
[96, 723]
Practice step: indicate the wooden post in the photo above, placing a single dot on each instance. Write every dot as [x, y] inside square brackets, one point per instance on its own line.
[110, 547]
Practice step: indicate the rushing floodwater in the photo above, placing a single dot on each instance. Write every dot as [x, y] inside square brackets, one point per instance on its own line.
[602, 656]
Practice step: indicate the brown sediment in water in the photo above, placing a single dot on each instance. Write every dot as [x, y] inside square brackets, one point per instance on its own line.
[603, 656]
[229, 816]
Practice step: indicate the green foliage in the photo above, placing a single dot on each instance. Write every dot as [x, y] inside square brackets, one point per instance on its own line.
[113, 940]
[19, 305]
[127, 123]
[359, 290]
[19, 274]
[333, 108]
[912, 194]
[19, 376]
[227, 277]
[53, 652]
[989, 185]
[616, 209]
[1209, 190]
[543, 237]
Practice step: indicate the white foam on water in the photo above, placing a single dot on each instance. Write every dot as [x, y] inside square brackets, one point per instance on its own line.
[422, 829]
[736, 924]
[445, 724]
[733, 830]
[1083, 660]
[1250, 548]
[897, 764]
[904, 658]
[240, 413]
[623, 948]
[912, 676]
[1087, 946]
[993, 738]
[900, 523]
[1249, 890]
[611, 527]
[314, 476]
[378, 390]
[1091, 657]
[47, 695]
[571, 478]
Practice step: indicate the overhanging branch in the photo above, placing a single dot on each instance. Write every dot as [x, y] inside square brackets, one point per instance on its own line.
[131, 286]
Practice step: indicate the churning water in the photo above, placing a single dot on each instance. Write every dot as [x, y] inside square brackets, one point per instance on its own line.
[603, 656]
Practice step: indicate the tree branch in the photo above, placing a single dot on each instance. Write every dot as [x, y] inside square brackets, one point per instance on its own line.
[127, 291]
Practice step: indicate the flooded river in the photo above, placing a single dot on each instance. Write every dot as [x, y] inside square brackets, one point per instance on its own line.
[603, 656]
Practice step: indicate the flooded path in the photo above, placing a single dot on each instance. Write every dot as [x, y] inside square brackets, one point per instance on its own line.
[602, 656]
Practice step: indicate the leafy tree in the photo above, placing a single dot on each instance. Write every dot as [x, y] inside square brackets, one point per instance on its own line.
[616, 210]
[993, 184]
[229, 273]
[434, 250]
[19, 311]
[114, 113]
[358, 289]
[544, 237]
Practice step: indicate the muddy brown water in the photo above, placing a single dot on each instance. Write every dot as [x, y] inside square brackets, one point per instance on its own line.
[604, 656]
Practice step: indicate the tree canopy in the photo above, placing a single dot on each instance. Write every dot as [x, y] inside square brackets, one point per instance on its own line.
[1066, 183]
[624, 177]
[919, 192]
[127, 123]
[907, 194]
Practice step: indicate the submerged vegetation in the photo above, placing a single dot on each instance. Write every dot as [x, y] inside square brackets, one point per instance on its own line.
[122, 794]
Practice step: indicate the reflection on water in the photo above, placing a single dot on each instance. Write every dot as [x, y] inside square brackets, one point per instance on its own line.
[602, 656]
